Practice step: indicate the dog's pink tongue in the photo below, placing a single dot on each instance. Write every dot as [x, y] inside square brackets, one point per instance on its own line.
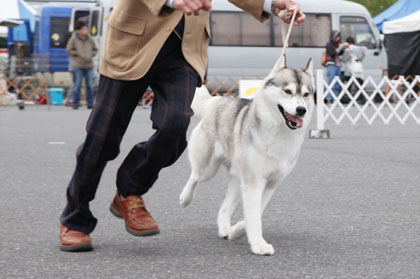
[297, 120]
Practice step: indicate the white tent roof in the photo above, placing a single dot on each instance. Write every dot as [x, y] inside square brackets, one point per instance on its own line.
[9, 9]
[409, 23]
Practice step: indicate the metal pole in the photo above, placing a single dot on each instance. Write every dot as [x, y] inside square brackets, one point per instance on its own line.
[319, 99]
[320, 132]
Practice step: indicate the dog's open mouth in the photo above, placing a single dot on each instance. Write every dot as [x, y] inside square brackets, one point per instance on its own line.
[293, 122]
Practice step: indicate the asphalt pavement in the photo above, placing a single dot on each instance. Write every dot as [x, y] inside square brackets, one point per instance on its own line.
[350, 208]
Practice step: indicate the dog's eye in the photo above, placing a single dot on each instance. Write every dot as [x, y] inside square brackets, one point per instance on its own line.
[287, 91]
[306, 95]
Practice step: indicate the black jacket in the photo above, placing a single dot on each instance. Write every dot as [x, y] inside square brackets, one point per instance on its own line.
[332, 49]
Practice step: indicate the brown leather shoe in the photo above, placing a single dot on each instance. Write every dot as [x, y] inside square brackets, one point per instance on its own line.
[138, 220]
[74, 241]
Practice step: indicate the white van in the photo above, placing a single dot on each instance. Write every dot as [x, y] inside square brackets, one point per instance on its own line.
[242, 47]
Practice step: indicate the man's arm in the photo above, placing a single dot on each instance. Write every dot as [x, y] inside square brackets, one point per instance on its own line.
[190, 6]
[275, 6]
[94, 48]
[260, 9]
[71, 50]
[253, 7]
[187, 6]
[155, 6]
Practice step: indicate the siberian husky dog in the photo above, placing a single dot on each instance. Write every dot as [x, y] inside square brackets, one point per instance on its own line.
[258, 141]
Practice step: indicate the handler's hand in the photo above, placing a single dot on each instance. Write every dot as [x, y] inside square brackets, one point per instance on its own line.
[291, 6]
[192, 6]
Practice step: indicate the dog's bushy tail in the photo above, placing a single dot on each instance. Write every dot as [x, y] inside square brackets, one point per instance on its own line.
[199, 101]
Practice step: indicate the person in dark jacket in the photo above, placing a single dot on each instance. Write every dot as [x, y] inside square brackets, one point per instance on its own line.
[333, 64]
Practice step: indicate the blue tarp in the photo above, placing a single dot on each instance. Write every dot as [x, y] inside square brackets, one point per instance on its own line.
[27, 12]
[400, 9]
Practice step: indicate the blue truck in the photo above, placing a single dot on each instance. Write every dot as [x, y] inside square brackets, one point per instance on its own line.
[44, 50]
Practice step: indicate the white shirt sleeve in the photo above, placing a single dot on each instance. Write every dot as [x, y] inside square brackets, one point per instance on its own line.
[267, 6]
[170, 3]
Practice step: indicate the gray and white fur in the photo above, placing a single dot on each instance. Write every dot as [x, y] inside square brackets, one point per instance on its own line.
[258, 141]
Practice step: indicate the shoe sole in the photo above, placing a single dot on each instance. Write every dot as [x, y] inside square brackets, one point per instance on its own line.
[117, 214]
[77, 247]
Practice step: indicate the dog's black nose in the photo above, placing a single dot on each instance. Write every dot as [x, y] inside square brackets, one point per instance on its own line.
[300, 111]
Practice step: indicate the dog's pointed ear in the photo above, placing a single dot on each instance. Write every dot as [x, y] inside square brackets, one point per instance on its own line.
[280, 64]
[310, 67]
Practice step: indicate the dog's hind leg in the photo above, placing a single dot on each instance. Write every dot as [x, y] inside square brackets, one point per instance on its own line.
[204, 164]
[228, 206]
[196, 176]
[237, 231]
[187, 194]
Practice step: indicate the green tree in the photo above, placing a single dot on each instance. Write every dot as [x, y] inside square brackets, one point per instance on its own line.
[375, 7]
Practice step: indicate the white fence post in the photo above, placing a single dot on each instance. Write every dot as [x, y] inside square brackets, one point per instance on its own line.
[320, 132]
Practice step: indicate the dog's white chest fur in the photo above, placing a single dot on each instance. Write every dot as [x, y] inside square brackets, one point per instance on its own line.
[275, 154]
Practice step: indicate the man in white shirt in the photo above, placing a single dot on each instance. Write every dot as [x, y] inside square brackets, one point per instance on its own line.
[352, 66]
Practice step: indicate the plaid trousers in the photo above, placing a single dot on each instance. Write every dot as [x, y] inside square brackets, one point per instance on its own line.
[173, 82]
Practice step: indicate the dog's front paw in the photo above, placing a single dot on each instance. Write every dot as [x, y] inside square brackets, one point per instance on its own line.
[237, 231]
[262, 248]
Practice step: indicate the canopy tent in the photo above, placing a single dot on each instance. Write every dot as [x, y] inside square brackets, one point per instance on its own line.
[16, 9]
[10, 22]
[402, 41]
[400, 9]
[409, 23]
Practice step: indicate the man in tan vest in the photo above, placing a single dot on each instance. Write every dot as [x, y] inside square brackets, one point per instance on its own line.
[161, 43]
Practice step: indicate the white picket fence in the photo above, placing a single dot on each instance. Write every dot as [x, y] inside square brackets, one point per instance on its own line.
[386, 101]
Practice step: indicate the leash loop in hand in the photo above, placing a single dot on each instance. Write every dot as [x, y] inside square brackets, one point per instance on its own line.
[285, 36]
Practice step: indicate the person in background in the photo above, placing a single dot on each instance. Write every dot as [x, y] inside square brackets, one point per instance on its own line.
[333, 64]
[353, 53]
[81, 50]
[163, 44]
[352, 66]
